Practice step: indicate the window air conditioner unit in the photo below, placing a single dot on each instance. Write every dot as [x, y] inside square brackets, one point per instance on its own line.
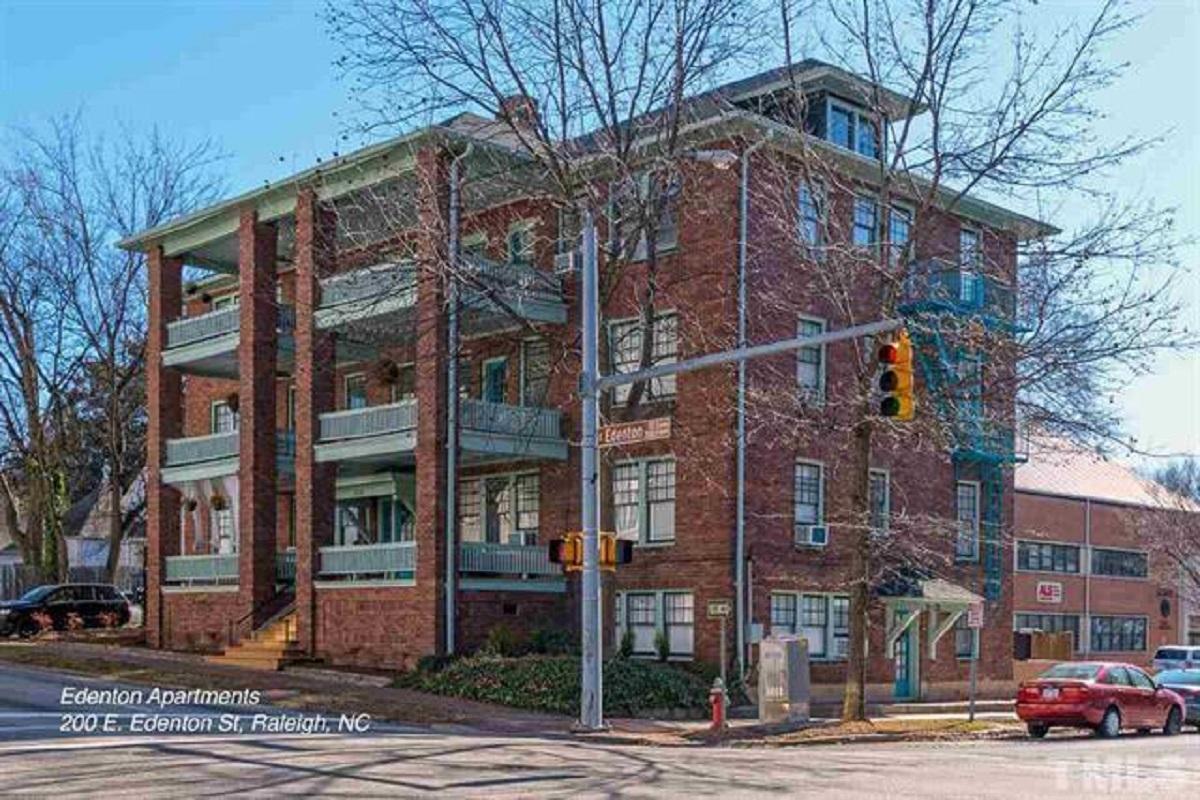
[812, 535]
[565, 263]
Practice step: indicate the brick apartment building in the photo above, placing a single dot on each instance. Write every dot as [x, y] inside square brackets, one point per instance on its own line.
[299, 414]
[1081, 562]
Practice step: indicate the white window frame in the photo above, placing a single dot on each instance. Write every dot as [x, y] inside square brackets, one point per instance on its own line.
[971, 265]
[213, 407]
[830, 635]
[909, 215]
[642, 466]
[857, 116]
[813, 394]
[524, 370]
[483, 382]
[875, 232]
[820, 465]
[660, 620]
[526, 227]
[1091, 565]
[346, 389]
[887, 498]
[221, 302]
[972, 557]
[1078, 644]
[961, 626]
[395, 396]
[1079, 546]
[663, 244]
[475, 487]
[1146, 630]
[661, 389]
[817, 198]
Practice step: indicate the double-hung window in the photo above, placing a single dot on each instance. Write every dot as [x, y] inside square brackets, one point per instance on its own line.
[520, 242]
[503, 509]
[356, 390]
[809, 494]
[810, 361]
[783, 613]
[899, 229]
[650, 614]
[966, 497]
[964, 638]
[222, 418]
[678, 614]
[644, 500]
[223, 537]
[535, 372]
[810, 208]
[850, 128]
[495, 380]
[865, 231]
[881, 500]
[405, 385]
[822, 619]
[1118, 634]
[641, 611]
[625, 341]
[632, 206]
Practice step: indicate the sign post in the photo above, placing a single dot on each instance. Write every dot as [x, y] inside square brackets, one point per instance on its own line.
[721, 609]
[974, 622]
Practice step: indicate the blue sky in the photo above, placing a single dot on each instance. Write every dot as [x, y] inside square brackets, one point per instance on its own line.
[257, 78]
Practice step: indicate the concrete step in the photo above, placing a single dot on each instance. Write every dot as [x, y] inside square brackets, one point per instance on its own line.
[246, 661]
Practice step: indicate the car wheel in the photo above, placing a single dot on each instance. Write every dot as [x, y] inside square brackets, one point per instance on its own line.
[1038, 730]
[1110, 724]
[1143, 731]
[27, 629]
[1174, 722]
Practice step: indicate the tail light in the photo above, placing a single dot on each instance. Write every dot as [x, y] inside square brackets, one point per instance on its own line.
[1031, 693]
[1074, 694]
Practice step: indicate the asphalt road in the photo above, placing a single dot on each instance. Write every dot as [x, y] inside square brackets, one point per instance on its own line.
[413, 762]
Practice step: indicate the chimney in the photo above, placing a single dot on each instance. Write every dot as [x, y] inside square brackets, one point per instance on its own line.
[519, 109]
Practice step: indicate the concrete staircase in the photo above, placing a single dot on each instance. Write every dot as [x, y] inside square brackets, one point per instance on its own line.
[270, 647]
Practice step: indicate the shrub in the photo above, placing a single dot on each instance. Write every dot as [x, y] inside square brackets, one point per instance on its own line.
[43, 621]
[662, 646]
[501, 641]
[551, 683]
[109, 619]
[551, 642]
[625, 648]
[74, 622]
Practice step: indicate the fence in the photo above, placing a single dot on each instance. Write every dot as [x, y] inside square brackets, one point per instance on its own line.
[16, 579]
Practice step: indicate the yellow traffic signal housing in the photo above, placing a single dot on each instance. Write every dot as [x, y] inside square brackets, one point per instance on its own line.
[568, 551]
[614, 551]
[896, 380]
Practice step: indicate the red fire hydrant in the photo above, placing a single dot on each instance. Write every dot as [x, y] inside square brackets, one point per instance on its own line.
[716, 697]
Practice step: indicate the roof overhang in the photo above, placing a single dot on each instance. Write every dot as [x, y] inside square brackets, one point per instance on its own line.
[837, 81]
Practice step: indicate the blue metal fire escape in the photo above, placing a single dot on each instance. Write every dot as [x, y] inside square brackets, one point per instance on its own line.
[942, 301]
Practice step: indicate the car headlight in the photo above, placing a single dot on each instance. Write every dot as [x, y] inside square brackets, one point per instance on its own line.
[4, 612]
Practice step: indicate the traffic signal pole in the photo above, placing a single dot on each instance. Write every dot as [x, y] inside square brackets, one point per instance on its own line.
[591, 384]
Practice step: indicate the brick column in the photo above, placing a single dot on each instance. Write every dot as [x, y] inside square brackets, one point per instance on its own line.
[164, 407]
[432, 358]
[257, 353]
[315, 229]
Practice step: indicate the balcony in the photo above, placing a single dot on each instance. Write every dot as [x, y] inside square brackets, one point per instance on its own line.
[376, 434]
[216, 455]
[513, 567]
[208, 344]
[358, 563]
[203, 570]
[497, 429]
[387, 435]
[944, 287]
[380, 300]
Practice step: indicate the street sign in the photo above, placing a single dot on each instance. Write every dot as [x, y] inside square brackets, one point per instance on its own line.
[1049, 592]
[720, 609]
[975, 615]
[646, 430]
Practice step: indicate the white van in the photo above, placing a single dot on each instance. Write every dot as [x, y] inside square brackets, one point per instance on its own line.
[1177, 656]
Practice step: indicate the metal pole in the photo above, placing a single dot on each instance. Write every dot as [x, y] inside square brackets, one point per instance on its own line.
[974, 672]
[591, 711]
[452, 407]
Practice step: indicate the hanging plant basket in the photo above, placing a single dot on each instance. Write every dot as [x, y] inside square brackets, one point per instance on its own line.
[218, 502]
[231, 400]
[387, 371]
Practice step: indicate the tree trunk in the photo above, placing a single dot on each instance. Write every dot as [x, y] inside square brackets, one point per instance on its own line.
[854, 702]
[116, 528]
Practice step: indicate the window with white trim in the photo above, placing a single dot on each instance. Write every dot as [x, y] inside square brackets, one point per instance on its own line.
[1118, 634]
[865, 230]
[222, 417]
[649, 613]
[1048, 557]
[966, 504]
[1051, 623]
[809, 493]
[810, 361]
[822, 619]
[1110, 562]
[899, 230]
[535, 372]
[520, 242]
[880, 500]
[970, 250]
[502, 508]
[223, 537]
[626, 201]
[678, 622]
[783, 613]
[641, 611]
[964, 638]
[356, 390]
[625, 344]
[810, 216]
[405, 385]
[850, 128]
[644, 500]
[474, 245]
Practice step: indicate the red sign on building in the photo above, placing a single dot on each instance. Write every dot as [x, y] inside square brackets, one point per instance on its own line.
[1049, 592]
[646, 430]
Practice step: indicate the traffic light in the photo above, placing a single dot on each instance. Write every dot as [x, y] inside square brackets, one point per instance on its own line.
[568, 551]
[896, 380]
[614, 551]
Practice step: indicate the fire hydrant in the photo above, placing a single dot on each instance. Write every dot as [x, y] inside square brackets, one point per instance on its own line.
[718, 699]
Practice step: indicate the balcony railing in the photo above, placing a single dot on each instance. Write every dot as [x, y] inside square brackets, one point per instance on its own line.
[216, 446]
[371, 421]
[202, 570]
[500, 418]
[390, 281]
[368, 559]
[960, 288]
[218, 323]
[511, 278]
[506, 559]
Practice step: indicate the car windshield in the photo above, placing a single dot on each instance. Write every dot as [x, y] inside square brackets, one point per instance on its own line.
[37, 593]
[1076, 672]
[1172, 654]
[1178, 677]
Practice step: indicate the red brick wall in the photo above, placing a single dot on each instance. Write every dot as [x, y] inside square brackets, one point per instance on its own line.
[199, 620]
[521, 613]
[375, 626]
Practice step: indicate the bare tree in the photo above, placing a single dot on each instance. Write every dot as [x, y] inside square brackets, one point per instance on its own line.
[75, 195]
[1172, 532]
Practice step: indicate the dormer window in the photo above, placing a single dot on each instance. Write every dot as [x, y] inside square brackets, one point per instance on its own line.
[848, 127]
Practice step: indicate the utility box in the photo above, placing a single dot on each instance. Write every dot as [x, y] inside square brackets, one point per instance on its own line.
[783, 679]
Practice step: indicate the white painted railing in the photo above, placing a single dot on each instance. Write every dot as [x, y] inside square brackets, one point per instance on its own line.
[218, 323]
[500, 418]
[368, 559]
[506, 559]
[386, 281]
[285, 566]
[196, 449]
[204, 569]
[371, 421]
[512, 278]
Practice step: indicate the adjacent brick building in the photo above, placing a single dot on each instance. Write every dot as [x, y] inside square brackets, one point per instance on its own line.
[1082, 561]
[301, 407]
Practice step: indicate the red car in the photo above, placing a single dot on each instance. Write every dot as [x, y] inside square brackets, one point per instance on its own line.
[1103, 697]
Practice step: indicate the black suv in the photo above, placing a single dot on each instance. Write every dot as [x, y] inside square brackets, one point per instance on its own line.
[94, 603]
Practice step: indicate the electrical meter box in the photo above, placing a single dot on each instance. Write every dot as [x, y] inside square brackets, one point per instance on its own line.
[783, 679]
